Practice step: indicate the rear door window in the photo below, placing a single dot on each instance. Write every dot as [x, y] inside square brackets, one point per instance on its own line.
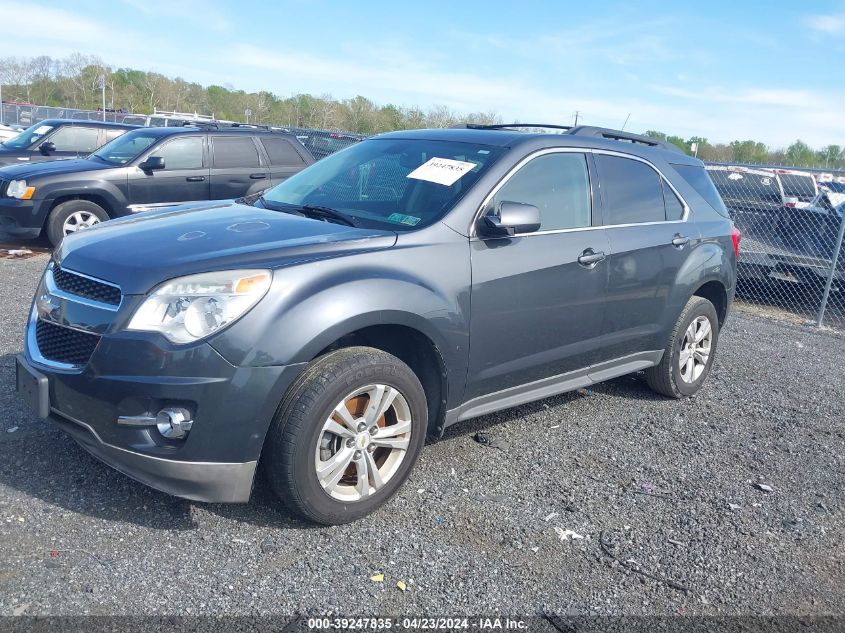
[281, 152]
[632, 191]
[234, 151]
[674, 207]
[74, 138]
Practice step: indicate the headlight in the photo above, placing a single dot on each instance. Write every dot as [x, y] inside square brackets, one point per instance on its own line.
[18, 189]
[191, 308]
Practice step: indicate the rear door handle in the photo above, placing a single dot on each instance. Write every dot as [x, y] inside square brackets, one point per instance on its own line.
[195, 178]
[258, 176]
[680, 241]
[590, 258]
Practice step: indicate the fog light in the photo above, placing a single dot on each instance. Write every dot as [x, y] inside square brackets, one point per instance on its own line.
[174, 423]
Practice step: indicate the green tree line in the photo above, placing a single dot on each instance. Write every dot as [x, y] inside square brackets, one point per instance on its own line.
[798, 154]
[72, 82]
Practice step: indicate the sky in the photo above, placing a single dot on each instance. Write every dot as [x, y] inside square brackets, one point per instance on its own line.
[723, 70]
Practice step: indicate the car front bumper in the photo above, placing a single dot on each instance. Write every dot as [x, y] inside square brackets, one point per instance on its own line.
[23, 218]
[105, 401]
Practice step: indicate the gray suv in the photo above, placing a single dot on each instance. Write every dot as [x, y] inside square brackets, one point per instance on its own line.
[321, 331]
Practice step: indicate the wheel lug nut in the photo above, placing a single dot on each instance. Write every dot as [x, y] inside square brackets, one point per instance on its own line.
[350, 443]
[358, 454]
[371, 448]
[361, 426]
[374, 430]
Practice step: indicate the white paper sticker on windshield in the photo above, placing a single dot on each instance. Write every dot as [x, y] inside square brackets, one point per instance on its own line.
[43, 129]
[443, 171]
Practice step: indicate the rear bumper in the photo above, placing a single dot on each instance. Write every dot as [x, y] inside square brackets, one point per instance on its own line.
[212, 482]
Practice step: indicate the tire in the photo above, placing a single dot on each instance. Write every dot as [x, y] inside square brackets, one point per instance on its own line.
[298, 442]
[674, 378]
[61, 218]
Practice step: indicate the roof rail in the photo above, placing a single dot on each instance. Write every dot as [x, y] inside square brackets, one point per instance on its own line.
[223, 125]
[507, 126]
[619, 135]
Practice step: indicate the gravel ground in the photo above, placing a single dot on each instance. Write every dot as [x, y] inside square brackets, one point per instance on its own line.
[663, 487]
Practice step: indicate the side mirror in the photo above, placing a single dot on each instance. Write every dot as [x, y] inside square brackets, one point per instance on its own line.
[510, 218]
[153, 163]
[47, 148]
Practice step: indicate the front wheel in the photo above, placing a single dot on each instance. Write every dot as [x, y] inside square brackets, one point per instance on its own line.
[346, 436]
[688, 358]
[72, 216]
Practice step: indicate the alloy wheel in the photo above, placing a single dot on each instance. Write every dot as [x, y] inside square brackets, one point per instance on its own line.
[363, 442]
[695, 349]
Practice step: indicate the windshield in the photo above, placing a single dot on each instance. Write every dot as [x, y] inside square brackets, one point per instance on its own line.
[735, 185]
[126, 147]
[29, 136]
[402, 184]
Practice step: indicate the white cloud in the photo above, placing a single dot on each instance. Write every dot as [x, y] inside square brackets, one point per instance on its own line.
[51, 25]
[828, 24]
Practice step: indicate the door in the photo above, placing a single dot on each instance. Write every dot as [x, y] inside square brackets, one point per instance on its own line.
[236, 168]
[650, 239]
[537, 311]
[72, 141]
[183, 179]
[283, 157]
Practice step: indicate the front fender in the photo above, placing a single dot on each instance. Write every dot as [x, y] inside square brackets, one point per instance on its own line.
[106, 191]
[312, 305]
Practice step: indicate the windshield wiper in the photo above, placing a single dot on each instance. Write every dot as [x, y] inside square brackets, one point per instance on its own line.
[326, 213]
[312, 211]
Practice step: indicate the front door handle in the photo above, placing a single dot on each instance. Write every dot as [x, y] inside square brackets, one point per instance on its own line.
[680, 240]
[258, 176]
[589, 258]
[195, 178]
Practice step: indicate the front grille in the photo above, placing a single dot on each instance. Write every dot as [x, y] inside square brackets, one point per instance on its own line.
[85, 287]
[64, 345]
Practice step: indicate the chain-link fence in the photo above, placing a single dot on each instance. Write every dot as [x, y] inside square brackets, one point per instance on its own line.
[792, 223]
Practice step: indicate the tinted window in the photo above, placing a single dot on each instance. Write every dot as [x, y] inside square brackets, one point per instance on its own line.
[674, 207]
[698, 179]
[71, 138]
[281, 152]
[747, 186]
[558, 185]
[232, 151]
[632, 191]
[182, 153]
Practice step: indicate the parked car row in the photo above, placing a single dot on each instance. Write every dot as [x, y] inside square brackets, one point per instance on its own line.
[139, 169]
[321, 331]
[790, 222]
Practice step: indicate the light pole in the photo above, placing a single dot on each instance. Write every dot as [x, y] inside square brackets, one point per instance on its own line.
[1, 104]
[102, 82]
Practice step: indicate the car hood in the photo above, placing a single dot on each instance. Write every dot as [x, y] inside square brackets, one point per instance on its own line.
[34, 169]
[142, 251]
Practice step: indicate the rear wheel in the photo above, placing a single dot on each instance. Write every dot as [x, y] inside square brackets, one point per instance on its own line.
[347, 435]
[72, 216]
[688, 358]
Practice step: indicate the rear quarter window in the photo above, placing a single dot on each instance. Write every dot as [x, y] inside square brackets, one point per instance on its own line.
[698, 178]
[282, 152]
